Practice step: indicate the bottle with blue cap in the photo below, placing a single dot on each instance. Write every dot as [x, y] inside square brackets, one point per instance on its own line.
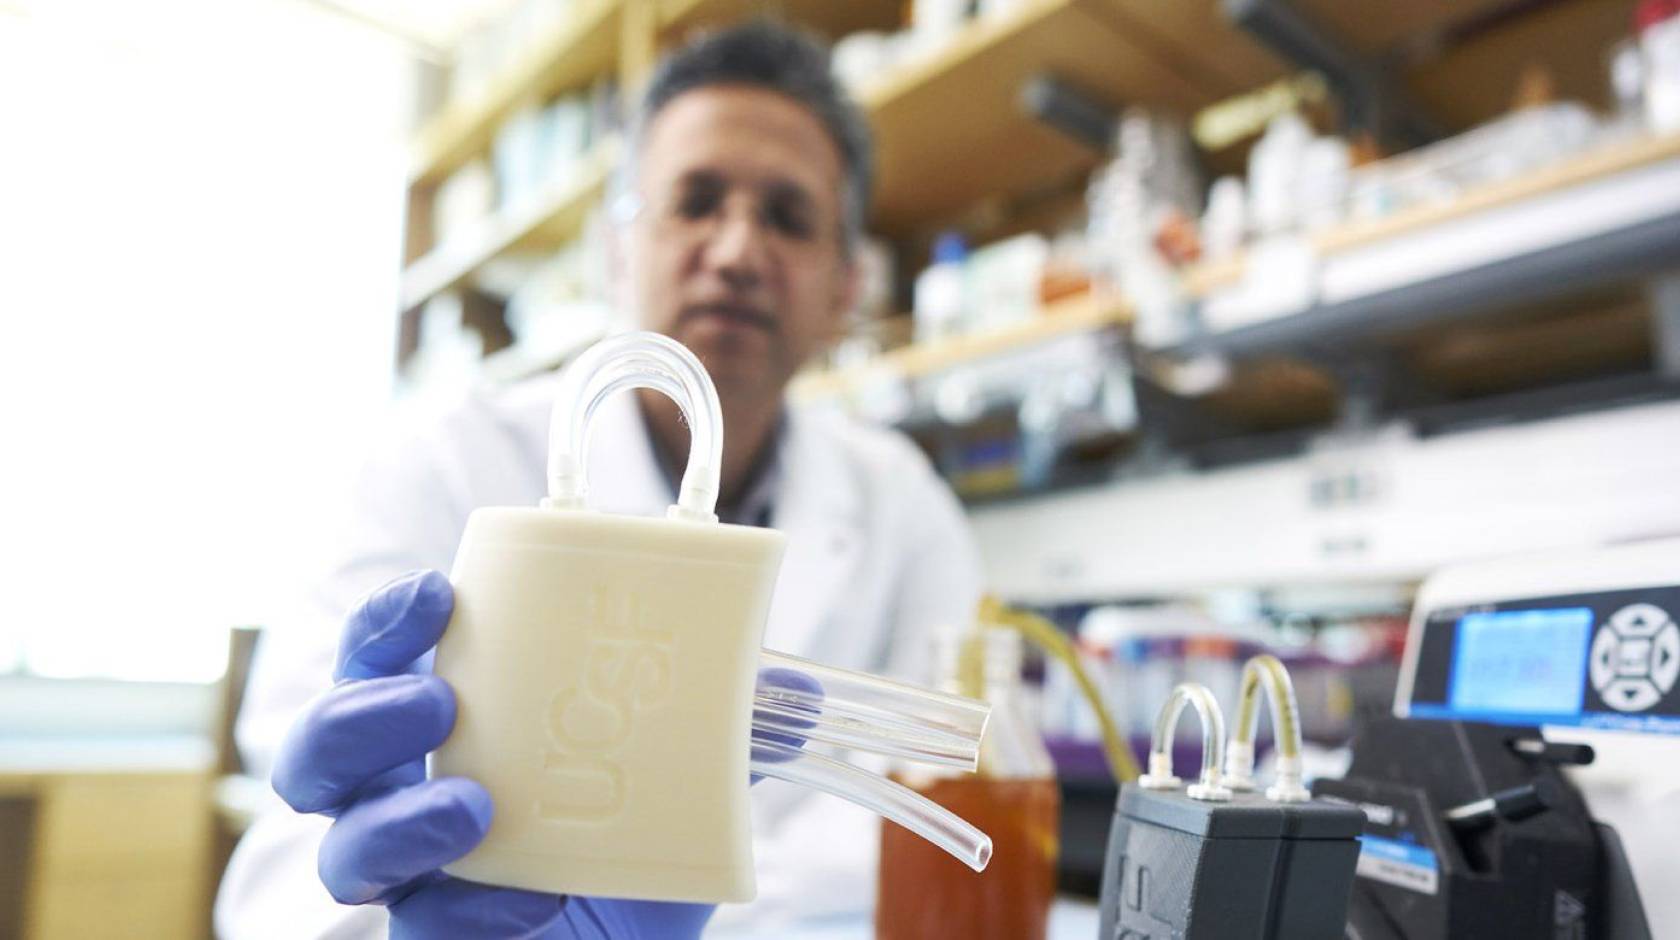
[942, 290]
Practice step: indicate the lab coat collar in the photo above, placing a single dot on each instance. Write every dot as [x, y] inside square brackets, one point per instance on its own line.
[758, 501]
[820, 508]
[624, 470]
[623, 473]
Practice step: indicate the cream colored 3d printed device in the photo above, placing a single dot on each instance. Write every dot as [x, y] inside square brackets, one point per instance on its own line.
[606, 670]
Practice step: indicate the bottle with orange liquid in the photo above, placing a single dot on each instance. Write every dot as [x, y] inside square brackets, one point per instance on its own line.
[925, 894]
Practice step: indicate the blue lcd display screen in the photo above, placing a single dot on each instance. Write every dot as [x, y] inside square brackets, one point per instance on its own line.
[1521, 662]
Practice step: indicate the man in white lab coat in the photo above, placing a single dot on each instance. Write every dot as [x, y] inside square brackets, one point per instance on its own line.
[738, 211]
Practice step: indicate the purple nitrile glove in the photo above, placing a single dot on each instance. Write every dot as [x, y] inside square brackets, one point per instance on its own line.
[357, 754]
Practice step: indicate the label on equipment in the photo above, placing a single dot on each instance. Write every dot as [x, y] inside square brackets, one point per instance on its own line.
[1401, 864]
[1569, 917]
[1607, 660]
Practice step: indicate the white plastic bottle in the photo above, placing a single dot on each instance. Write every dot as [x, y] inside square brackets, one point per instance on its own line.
[1274, 168]
[1659, 41]
[604, 667]
[942, 290]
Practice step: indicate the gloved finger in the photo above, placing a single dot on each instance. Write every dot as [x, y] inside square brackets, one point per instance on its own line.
[394, 626]
[616, 918]
[356, 731]
[782, 725]
[451, 908]
[380, 845]
[803, 693]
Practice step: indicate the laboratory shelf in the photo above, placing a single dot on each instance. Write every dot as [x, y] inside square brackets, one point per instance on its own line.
[544, 224]
[585, 49]
[1080, 314]
[589, 47]
[1422, 503]
[1602, 217]
[955, 143]
[523, 360]
[950, 128]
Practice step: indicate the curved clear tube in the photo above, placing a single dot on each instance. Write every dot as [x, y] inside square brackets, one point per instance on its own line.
[1160, 775]
[1268, 672]
[866, 736]
[877, 794]
[636, 360]
[871, 713]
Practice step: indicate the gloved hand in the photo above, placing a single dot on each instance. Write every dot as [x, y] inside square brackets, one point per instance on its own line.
[358, 754]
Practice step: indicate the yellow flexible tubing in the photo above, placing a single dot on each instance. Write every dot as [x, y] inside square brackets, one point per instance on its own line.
[1048, 637]
[1268, 672]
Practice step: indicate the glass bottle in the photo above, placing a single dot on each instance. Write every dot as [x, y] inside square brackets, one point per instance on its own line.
[926, 895]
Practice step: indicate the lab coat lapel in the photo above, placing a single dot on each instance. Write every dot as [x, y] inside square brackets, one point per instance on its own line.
[623, 474]
[820, 510]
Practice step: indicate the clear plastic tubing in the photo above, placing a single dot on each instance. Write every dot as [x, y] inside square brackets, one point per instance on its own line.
[879, 795]
[864, 736]
[869, 713]
[637, 360]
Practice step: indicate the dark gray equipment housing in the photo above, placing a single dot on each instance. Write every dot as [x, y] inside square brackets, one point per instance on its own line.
[1248, 869]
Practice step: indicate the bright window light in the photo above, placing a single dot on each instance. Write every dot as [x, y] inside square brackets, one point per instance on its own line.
[200, 222]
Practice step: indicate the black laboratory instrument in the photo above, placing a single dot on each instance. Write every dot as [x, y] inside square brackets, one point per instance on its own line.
[1217, 860]
[1474, 828]
[1468, 825]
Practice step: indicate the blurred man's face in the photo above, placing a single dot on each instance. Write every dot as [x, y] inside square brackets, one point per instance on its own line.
[737, 251]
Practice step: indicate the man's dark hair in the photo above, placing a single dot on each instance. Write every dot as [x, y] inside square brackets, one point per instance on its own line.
[767, 55]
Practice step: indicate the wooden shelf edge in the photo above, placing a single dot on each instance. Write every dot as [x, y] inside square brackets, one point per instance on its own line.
[1076, 315]
[454, 262]
[972, 41]
[675, 14]
[517, 363]
[1594, 164]
[461, 130]
[1585, 167]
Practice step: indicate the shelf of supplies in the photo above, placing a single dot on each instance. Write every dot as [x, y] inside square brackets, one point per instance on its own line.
[1200, 280]
[951, 131]
[587, 47]
[545, 224]
[949, 128]
[1603, 216]
[1075, 315]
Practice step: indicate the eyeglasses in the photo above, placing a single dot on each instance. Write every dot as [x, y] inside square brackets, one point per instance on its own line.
[700, 202]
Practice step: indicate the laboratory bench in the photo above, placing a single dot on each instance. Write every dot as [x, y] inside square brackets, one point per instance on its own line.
[1070, 919]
